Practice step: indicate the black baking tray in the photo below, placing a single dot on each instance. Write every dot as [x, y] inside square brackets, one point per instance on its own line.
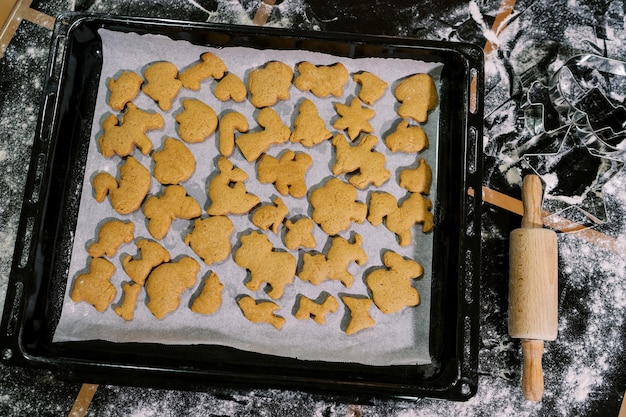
[52, 195]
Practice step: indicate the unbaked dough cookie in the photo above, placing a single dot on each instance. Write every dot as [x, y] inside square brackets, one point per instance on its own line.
[418, 95]
[123, 89]
[309, 128]
[417, 180]
[127, 194]
[227, 191]
[122, 138]
[173, 204]
[321, 80]
[210, 298]
[362, 158]
[274, 132]
[408, 139]
[391, 288]
[354, 118]
[230, 122]
[260, 311]
[174, 163]
[360, 317]
[210, 238]
[317, 311]
[150, 254]
[197, 122]
[231, 88]
[372, 87]
[112, 234]
[257, 255]
[94, 287]
[167, 282]
[335, 206]
[162, 83]
[286, 173]
[208, 66]
[269, 84]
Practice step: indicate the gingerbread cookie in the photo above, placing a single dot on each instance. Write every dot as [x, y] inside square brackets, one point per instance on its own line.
[227, 191]
[391, 288]
[150, 254]
[417, 180]
[126, 309]
[270, 215]
[418, 95]
[122, 138]
[111, 236]
[208, 66]
[253, 144]
[321, 80]
[230, 122]
[174, 163]
[126, 194]
[167, 282]
[317, 311]
[401, 219]
[362, 158]
[360, 317]
[408, 139]
[210, 238]
[94, 287]
[335, 206]
[124, 89]
[318, 268]
[257, 255]
[210, 298]
[287, 173]
[197, 122]
[172, 204]
[354, 118]
[269, 84]
[260, 311]
[231, 88]
[372, 87]
[309, 128]
[299, 234]
[162, 83]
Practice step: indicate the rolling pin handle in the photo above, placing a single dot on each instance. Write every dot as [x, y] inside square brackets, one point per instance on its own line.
[532, 196]
[532, 372]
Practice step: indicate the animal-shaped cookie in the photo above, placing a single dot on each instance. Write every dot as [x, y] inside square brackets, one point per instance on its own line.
[362, 158]
[417, 180]
[317, 311]
[270, 216]
[174, 163]
[322, 80]
[127, 194]
[162, 83]
[407, 138]
[418, 95]
[94, 287]
[260, 311]
[208, 66]
[401, 219]
[173, 204]
[197, 122]
[227, 191]
[167, 282]
[266, 266]
[123, 89]
[372, 87]
[150, 254]
[269, 84]
[111, 236]
[253, 144]
[391, 288]
[230, 122]
[126, 309]
[309, 128]
[122, 138]
[231, 88]
[360, 317]
[299, 234]
[286, 173]
[354, 118]
[210, 298]
[335, 206]
[210, 238]
[334, 265]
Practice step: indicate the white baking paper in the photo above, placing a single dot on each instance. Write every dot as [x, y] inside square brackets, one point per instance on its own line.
[400, 338]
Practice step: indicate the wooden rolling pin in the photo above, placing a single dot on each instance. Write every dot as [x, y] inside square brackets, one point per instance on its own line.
[533, 287]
